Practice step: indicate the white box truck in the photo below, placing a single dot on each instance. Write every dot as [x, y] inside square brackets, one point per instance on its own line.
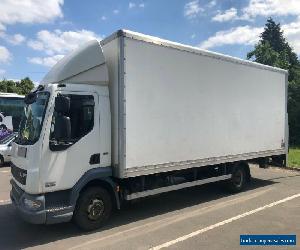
[134, 116]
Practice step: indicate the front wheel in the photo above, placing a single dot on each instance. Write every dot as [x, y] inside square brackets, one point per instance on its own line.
[93, 208]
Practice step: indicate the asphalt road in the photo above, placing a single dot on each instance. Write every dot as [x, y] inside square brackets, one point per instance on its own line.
[205, 217]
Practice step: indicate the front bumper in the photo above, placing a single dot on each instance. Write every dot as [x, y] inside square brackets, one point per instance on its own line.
[43, 215]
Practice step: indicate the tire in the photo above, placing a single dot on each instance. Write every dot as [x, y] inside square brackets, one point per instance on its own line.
[238, 180]
[93, 208]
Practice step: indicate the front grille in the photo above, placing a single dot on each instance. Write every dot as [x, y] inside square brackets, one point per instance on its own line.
[19, 174]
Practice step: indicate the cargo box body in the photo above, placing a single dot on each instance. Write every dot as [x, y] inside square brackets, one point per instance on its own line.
[176, 107]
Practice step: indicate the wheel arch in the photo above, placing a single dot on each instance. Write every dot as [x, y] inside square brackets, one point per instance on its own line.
[101, 177]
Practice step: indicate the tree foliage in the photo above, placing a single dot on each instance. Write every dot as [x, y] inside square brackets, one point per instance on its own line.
[22, 87]
[273, 49]
[265, 54]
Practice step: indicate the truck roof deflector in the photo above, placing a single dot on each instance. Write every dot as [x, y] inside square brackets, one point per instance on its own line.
[84, 65]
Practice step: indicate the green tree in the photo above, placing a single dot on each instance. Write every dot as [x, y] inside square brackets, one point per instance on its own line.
[22, 87]
[273, 49]
[25, 86]
[294, 113]
[3, 87]
[8, 86]
[265, 54]
[274, 36]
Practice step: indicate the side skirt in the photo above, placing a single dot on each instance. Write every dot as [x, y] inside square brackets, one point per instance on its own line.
[176, 187]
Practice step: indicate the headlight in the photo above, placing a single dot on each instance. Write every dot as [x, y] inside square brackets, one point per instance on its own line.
[32, 204]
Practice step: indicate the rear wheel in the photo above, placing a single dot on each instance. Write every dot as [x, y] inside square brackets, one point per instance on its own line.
[93, 208]
[238, 179]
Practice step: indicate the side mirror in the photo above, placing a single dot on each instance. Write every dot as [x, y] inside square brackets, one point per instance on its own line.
[30, 98]
[62, 128]
[62, 104]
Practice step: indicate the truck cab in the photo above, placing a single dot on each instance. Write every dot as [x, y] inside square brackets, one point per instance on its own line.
[64, 133]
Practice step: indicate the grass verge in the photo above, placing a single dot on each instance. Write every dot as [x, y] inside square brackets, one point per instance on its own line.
[294, 157]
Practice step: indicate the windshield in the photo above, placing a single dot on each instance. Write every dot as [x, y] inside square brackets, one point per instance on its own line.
[32, 120]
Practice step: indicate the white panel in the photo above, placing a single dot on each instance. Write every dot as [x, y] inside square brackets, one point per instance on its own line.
[98, 74]
[79, 61]
[111, 53]
[183, 106]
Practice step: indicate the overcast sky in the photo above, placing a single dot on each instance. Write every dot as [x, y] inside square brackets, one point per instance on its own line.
[35, 34]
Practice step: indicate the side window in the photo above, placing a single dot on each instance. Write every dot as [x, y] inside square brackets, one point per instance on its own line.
[81, 116]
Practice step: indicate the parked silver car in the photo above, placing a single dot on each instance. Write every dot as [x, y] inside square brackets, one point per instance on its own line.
[5, 148]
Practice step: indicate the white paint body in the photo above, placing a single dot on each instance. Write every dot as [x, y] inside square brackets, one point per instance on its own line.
[159, 106]
[183, 107]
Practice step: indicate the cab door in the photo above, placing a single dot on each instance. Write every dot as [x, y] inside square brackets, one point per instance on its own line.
[64, 162]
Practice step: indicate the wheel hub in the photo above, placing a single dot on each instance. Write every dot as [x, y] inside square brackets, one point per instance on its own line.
[95, 209]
